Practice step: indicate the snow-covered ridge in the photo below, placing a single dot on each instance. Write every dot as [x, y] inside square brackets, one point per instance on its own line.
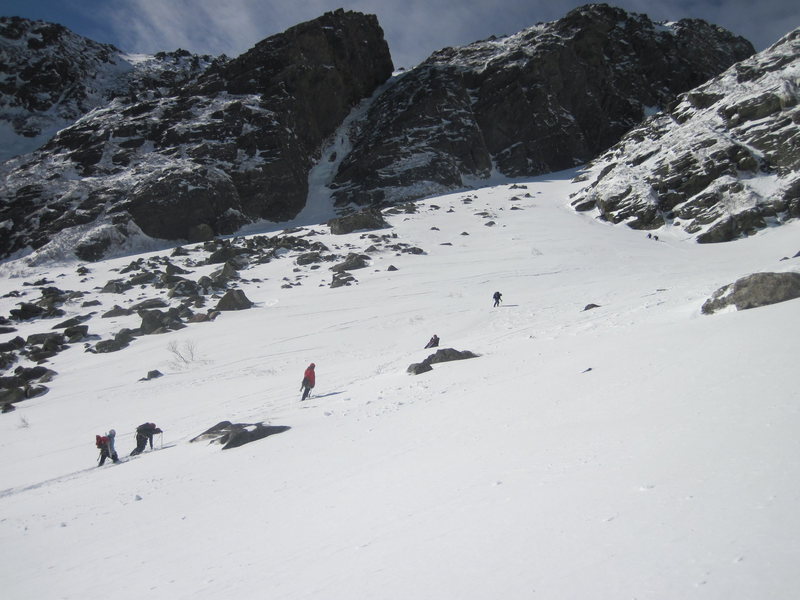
[720, 163]
[50, 77]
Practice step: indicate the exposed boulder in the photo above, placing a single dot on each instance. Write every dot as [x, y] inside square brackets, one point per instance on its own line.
[758, 289]
[342, 278]
[13, 344]
[117, 311]
[440, 356]
[449, 354]
[72, 322]
[157, 321]
[26, 311]
[234, 300]
[76, 333]
[419, 368]
[120, 340]
[352, 262]
[368, 219]
[154, 374]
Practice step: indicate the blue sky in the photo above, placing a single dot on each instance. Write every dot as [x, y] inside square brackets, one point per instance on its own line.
[413, 29]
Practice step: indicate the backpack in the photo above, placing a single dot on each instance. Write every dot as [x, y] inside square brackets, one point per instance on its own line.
[100, 441]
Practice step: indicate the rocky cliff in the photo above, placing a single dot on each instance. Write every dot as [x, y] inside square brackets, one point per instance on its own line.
[547, 98]
[199, 147]
[50, 77]
[226, 147]
[723, 161]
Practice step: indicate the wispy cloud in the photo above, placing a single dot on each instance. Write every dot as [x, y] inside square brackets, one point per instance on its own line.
[201, 26]
[413, 29]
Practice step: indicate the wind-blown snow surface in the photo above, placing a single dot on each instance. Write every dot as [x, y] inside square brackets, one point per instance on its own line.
[637, 450]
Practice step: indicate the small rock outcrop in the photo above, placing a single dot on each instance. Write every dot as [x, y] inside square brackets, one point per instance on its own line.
[440, 356]
[234, 300]
[367, 219]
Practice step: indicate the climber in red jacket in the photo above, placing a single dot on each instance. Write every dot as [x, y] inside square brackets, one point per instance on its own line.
[308, 381]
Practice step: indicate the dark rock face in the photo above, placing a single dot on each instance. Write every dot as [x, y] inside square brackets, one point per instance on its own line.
[722, 162]
[230, 144]
[548, 98]
[190, 148]
[758, 289]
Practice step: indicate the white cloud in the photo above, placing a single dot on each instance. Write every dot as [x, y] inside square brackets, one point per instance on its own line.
[413, 29]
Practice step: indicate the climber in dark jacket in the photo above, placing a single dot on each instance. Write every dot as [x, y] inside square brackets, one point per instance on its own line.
[434, 341]
[144, 434]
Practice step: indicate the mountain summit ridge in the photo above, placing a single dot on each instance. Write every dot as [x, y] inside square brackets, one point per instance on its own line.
[231, 142]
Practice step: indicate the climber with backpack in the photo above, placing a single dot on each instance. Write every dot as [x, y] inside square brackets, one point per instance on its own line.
[106, 445]
[144, 434]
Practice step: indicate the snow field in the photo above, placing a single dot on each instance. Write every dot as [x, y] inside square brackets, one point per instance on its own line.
[636, 450]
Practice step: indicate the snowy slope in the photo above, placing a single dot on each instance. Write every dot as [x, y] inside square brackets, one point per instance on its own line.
[636, 450]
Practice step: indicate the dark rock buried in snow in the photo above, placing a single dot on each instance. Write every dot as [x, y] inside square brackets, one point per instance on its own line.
[13, 344]
[758, 289]
[149, 304]
[116, 286]
[120, 341]
[342, 278]
[368, 219]
[18, 394]
[39, 374]
[76, 333]
[154, 374]
[449, 354]
[72, 322]
[233, 435]
[419, 368]
[440, 356]
[203, 317]
[117, 311]
[590, 306]
[50, 341]
[26, 311]
[225, 274]
[234, 300]
[157, 321]
[352, 262]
